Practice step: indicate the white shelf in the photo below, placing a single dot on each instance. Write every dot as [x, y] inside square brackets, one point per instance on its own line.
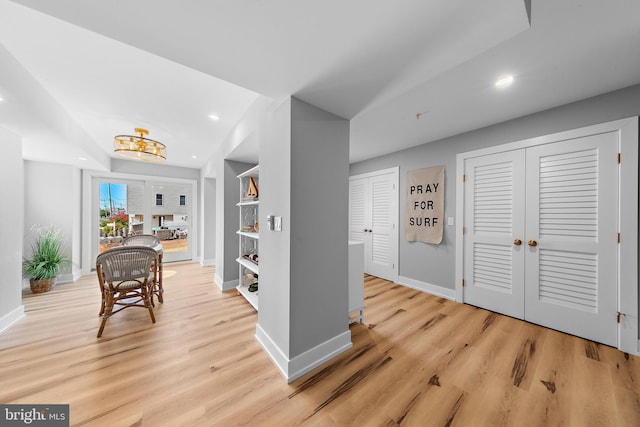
[252, 297]
[248, 240]
[248, 264]
[249, 234]
[253, 171]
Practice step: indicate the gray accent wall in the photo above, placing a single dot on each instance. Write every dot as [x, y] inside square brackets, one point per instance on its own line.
[12, 220]
[435, 264]
[304, 173]
[319, 232]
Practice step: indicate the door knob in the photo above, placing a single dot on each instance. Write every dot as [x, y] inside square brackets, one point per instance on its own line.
[517, 242]
[532, 243]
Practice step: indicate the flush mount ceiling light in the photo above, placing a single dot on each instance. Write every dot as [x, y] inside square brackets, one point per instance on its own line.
[139, 148]
[504, 81]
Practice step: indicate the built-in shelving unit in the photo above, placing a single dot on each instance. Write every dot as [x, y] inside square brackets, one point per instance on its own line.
[248, 235]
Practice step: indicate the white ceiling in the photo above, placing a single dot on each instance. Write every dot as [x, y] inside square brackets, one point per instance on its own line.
[104, 68]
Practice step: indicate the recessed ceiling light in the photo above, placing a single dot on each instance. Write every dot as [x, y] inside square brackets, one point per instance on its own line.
[194, 157]
[504, 81]
[82, 158]
[1, 99]
[214, 117]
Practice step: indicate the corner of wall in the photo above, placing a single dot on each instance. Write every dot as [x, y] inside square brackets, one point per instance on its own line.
[292, 369]
[439, 291]
[10, 318]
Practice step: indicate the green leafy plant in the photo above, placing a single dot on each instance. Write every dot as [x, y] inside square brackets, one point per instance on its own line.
[47, 255]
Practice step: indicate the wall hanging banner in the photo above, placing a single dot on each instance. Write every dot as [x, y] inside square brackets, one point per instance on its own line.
[425, 205]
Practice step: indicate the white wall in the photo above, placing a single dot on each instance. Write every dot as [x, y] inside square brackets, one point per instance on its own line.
[304, 171]
[121, 166]
[53, 199]
[12, 220]
[208, 221]
[275, 172]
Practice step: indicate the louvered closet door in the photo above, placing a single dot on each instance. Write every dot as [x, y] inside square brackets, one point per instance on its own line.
[373, 215]
[494, 219]
[358, 210]
[572, 202]
[381, 257]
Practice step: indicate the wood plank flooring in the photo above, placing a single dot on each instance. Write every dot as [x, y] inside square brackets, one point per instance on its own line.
[418, 360]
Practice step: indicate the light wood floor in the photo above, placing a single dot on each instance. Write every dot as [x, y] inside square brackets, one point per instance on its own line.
[418, 360]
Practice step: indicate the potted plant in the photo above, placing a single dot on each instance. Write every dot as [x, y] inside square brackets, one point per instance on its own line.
[46, 260]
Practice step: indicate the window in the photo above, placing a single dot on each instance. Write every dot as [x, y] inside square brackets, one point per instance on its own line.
[183, 200]
[159, 199]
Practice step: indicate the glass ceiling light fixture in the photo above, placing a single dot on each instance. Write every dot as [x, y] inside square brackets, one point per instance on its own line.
[504, 81]
[139, 147]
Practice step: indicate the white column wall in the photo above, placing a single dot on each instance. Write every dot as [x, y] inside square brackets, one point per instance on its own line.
[12, 223]
[207, 221]
[304, 171]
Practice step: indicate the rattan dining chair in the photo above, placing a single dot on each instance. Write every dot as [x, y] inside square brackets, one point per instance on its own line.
[154, 242]
[124, 273]
[141, 240]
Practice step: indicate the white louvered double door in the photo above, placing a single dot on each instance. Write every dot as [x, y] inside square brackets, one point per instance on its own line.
[373, 215]
[541, 235]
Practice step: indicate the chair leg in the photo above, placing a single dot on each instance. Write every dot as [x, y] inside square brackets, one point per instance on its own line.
[102, 303]
[150, 292]
[108, 309]
[160, 288]
[102, 324]
[147, 302]
[160, 292]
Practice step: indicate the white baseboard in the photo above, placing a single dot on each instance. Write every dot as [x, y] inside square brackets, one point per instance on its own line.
[77, 273]
[10, 318]
[207, 262]
[436, 290]
[61, 279]
[226, 286]
[292, 369]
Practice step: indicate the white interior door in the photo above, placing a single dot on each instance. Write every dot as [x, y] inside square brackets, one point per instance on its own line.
[373, 219]
[358, 210]
[494, 231]
[381, 260]
[572, 202]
